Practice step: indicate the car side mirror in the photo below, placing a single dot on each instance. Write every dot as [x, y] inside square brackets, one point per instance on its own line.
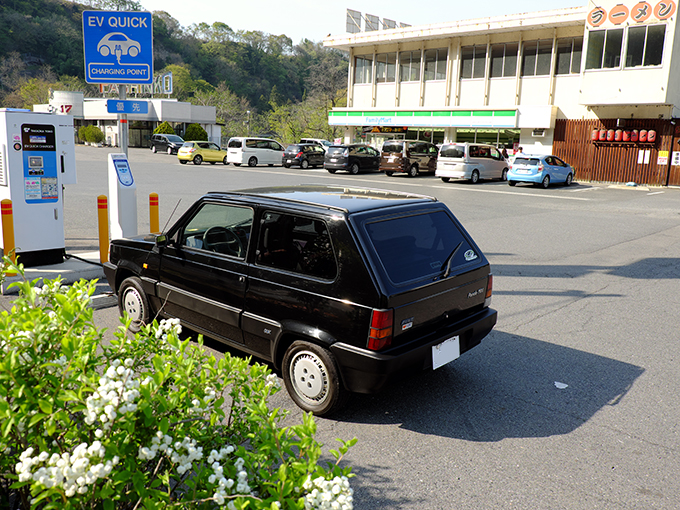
[161, 240]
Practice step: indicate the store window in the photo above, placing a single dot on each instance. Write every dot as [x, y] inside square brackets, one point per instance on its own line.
[604, 49]
[409, 66]
[568, 59]
[536, 56]
[645, 45]
[435, 64]
[385, 67]
[363, 69]
[503, 60]
[473, 62]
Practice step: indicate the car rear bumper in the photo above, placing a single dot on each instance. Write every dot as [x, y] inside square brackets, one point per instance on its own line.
[534, 178]
[365, 371]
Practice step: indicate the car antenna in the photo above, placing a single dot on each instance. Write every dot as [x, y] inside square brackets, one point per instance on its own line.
[171, 215]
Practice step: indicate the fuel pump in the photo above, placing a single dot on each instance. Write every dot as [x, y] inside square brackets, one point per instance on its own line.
[37, 157]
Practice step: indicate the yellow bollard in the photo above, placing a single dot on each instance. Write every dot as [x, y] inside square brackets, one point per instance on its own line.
[103, 216]
[153, 213]
[8, 232]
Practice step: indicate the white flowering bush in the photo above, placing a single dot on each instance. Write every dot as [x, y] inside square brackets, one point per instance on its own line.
[150, 421]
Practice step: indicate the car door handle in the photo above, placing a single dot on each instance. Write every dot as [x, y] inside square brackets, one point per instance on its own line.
[241, 279]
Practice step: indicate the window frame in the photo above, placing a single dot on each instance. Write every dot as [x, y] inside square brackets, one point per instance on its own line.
[478, 60]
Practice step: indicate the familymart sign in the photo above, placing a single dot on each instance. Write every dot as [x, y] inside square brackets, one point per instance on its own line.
[425, 118]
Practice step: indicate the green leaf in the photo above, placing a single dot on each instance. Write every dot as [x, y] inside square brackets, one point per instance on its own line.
[45, 406]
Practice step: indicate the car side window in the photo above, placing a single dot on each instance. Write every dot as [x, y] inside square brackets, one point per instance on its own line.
[474, 151]
[559, 162]
[495, 154]
[214, 146]
[251, 144]
[296, 243]
[219, 228]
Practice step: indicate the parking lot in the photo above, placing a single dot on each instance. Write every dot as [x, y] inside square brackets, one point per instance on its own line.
[570, 403]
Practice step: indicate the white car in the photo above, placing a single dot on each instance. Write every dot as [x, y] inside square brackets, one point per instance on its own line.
[471, 161]
[117, 41]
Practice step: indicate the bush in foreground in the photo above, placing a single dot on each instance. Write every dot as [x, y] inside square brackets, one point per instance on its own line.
[149, 421]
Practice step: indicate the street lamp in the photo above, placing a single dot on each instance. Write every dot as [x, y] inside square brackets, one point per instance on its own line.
[248, 121]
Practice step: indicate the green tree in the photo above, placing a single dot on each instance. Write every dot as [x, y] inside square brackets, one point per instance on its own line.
[195, 132]
[231, 110]
[164, 128]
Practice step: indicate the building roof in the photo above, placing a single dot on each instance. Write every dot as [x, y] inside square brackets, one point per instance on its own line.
[573, 16]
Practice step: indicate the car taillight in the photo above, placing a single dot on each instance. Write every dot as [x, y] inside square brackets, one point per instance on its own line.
[299, 154]
[489, 290]
[345, 153]
[193, 149]
[540, 168]
[380, 334]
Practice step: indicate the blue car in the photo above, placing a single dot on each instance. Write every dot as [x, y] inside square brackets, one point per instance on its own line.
[540, 169]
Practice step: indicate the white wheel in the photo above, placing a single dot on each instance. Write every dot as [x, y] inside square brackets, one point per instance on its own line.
[312, 379]
[133, 301]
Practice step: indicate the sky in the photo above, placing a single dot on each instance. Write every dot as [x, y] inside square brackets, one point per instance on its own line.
[315, 19]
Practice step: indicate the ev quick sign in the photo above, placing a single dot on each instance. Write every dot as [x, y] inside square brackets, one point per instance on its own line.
[118, 47]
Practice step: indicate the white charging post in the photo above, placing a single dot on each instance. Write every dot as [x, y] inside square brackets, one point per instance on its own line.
[122, 198]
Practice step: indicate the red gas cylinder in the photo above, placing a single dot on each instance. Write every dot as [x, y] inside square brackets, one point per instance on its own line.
[626, 135]
[634, 135]
[643, 135]
[651, 135]
[603, 135]
[595, 135]
[618, 135]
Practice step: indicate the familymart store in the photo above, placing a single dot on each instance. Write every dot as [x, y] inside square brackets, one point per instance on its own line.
[500, 127]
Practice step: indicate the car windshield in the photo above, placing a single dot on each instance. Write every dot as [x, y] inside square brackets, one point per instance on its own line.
[452, 151]
[433, 238]
[393, 147]
[525, 161]
[175, 138]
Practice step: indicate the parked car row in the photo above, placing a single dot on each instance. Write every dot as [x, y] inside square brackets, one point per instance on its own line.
[458, 160]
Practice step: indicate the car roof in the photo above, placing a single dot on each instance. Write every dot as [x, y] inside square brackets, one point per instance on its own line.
[329, 197]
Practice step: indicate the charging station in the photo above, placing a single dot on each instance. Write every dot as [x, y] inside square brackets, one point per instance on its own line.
[37, 157]
[123, 198]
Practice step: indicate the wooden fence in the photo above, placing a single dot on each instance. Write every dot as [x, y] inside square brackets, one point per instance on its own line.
[619, 161]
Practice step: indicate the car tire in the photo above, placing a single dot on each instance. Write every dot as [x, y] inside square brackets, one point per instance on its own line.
[331, 170]
[170, 150]
[445, 179]
[153, 149]
[286, 165]
[474, 178]
[545, 183]
[237, 164]
[512, 183]
[225, 161]
[413, 171]
[183, 161]
[569, 180]
[252, 161]
[304, 164]
[354, 169]
[197, 159]
[389, 174]
[212, 162]
[504, 175]
[312, 378]
[133, 300]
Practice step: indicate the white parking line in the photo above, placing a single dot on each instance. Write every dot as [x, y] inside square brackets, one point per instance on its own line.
[460, 188]
[656, 193]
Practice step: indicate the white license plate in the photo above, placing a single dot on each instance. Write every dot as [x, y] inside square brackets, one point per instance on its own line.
[334, 160]
[290, 161]
[445, 352]
[523, 171]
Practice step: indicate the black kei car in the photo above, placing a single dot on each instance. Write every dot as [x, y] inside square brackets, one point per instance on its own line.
[165, 143]
[352, 158]
[303, 155]
[341, 289]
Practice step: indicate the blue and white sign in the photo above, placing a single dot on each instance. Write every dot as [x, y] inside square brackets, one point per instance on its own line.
[127, 106]
[118, 47]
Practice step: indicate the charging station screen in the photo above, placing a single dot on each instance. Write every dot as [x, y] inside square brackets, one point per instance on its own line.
[123, 171]
[40, 163]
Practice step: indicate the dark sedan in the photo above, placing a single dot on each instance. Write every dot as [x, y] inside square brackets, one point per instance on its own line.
[353, 158]
[303, 155]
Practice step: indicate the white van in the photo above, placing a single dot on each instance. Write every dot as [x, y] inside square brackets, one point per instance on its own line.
[244, 150]
[471, 161]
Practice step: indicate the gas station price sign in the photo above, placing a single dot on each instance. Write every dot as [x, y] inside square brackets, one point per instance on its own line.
[118, 47]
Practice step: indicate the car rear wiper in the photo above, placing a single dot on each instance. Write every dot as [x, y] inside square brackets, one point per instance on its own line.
[450, 259]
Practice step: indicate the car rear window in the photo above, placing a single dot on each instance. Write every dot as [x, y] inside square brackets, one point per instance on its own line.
[335, 150]
[393, 147]
[188, 144]
[175, 138]
[526, 161]
[293, 148]
[235, 144]
[452, 151]
[419, 246]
